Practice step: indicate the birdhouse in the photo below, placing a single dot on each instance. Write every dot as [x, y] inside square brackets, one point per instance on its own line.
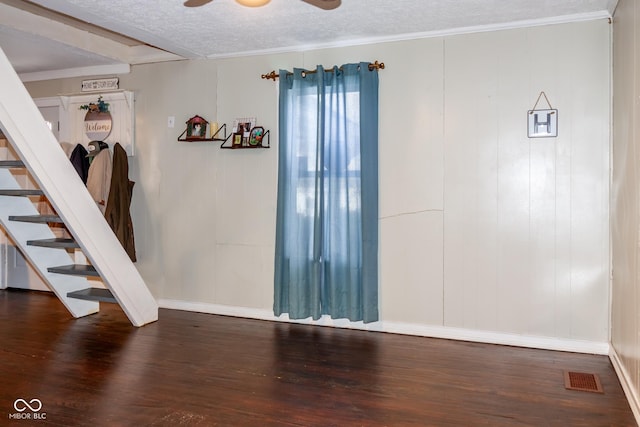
[196, 128]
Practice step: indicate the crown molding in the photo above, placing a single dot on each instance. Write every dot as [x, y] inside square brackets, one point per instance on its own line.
[566, 19]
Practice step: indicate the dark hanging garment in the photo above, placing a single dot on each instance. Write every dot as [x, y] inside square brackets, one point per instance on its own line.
[117, 212]
[80, 162]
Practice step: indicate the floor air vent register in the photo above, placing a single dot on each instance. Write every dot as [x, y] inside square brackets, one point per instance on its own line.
[582, 382]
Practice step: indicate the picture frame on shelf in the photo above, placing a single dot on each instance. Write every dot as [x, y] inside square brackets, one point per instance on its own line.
[196, 131]
[256, 135]
[196, 128]
[236, 140]
[244, 125]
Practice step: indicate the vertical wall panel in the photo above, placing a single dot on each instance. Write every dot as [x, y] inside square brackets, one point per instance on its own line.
[471, 191]
[241, 273]
[543, 232]
[411, 169]
[411, 268]
[546, 172]
[625, 200]
[590, 179]
[411, 174]
[514, 199]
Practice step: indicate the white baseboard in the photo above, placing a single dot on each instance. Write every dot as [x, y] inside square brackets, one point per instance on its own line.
[546, 343]
[626, 382]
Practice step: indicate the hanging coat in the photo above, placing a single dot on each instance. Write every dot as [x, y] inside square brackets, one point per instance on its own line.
[99, 178]
[80, 162]
[119, 202]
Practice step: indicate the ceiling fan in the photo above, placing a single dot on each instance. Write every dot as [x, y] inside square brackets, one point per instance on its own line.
[322, 4]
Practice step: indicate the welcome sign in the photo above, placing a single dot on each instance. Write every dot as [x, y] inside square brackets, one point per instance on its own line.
[97, 125]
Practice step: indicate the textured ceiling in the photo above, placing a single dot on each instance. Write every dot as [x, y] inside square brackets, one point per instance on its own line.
[223, 28]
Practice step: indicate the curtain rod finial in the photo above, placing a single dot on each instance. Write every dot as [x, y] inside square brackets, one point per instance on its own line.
[376, 66]
[271, 76]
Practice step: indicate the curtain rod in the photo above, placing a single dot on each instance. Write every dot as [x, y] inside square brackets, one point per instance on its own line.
[372, 66]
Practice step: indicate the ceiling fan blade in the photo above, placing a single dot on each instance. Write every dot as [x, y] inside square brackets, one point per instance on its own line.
[324, 4]
[196, 3]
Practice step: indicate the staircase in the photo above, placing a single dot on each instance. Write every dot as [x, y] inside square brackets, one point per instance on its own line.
[51, 256]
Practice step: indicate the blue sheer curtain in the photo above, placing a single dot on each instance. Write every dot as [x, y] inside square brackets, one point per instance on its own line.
[326, 258]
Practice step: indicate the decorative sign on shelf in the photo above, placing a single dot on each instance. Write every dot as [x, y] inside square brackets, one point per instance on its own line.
[97, 85]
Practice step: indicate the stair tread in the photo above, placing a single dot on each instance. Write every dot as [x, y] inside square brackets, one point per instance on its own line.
[58, 242]
[11, 164]
[21, 192]
[93, 294]
[36, 218]
[75, 270]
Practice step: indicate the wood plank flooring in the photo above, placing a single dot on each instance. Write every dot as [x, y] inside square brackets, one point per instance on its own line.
[191, 369]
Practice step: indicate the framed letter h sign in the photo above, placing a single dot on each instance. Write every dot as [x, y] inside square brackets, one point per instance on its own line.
[542, 123]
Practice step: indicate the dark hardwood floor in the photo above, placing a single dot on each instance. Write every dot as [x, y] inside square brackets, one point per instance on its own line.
[191, 369]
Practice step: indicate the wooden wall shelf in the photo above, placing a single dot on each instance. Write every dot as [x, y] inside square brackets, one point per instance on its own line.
[266, 136]
[227, 141]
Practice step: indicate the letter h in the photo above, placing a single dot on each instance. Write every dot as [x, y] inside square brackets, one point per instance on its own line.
[538, 124]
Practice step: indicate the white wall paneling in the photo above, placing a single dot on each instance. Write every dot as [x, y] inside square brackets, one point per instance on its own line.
[481, 229]
[625, 201]
[411, 268]
[525, 220]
